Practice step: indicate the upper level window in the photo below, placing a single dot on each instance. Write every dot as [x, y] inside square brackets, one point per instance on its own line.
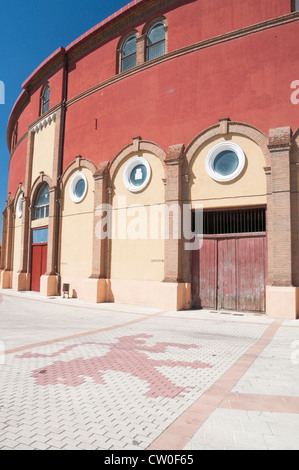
[128, 54]
[45, 99]
[295, 5]
[41, 207]
[156, 40]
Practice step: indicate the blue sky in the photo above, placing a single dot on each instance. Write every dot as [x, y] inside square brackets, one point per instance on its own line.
[30, 30]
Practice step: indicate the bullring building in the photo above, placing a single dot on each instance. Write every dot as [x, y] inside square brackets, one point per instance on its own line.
[165, 105]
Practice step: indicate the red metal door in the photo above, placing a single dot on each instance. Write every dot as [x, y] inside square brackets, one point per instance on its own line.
[38, 265]
[229, 272]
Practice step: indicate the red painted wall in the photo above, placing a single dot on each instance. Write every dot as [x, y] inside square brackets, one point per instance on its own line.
[247, 80]
[32, 110]
[17, 168]
[192, 22]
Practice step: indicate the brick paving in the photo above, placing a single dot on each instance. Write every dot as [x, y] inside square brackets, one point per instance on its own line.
[78, 376]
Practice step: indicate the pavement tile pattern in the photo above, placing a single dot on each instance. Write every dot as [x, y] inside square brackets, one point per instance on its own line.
[137, 375]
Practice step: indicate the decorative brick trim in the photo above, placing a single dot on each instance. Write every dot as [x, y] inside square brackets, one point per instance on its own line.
[138, 145]
[19, 191]
[47, 121]
[280, 139]
[232, 128]
[36, 185]
[78, 163]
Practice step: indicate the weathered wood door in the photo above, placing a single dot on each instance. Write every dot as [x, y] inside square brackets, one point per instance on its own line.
[229, 272]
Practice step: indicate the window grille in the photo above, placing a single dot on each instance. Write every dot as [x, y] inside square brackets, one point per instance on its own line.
[233, 221]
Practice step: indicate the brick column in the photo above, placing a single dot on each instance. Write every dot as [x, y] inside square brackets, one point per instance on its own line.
[177, 291]
[49, 281]
[279, 146]
[99, 268]
[173, 165]
[281, 294]
[25, 234]
[4, 234]
[96, 285]
[20, 278]
[140, 52]
[51, 232]
[6, 275]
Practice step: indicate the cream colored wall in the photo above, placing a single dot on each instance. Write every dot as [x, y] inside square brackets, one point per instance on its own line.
[77, 231]
[40, 223]
[248, 189]
[17, 246]
[139, 259]
[43, 151]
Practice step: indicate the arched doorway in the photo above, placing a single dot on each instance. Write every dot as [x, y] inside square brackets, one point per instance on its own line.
[227, 178]
[39, 243]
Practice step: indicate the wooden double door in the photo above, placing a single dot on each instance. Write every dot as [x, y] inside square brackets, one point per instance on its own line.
[229, 272]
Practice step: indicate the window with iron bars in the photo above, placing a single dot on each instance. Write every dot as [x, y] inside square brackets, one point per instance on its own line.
[233, 221]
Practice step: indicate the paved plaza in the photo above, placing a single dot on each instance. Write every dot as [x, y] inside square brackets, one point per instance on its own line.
[110, 376]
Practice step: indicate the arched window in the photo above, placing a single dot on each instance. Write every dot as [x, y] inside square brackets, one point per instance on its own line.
[45, 99]
[41, 207]
[156, 40]
[128, 54]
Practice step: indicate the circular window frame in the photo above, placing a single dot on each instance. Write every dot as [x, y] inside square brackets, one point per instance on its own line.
[216, 150]
[128, 170]
[76, 178]
[20, 205]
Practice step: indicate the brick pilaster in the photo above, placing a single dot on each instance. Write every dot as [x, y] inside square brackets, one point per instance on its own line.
[51, 232]
[140, 49]
[9, 239]
[100, 246]
[25, 234]
[4, 237]
[173, 243]
[279, 209]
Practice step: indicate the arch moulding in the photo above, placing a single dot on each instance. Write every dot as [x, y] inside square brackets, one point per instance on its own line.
[36, 185]
[225, 127]
[138, 145]
[77, 164]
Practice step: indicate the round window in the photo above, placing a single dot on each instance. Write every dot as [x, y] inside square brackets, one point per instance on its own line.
[78, 187]
[225, 162]
[137, 174]
[20, 206]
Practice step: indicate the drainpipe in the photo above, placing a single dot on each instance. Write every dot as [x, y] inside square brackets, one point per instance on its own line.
[60, 167]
